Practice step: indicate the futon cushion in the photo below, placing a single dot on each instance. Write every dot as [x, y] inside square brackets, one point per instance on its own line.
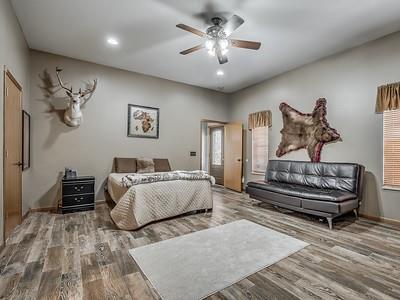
[125, 165]
[302, 191]
[334, 176]
[145, 165]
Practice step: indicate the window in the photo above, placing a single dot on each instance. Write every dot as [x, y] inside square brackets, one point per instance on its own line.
[391, 148]
[216, 140]
[259, 149]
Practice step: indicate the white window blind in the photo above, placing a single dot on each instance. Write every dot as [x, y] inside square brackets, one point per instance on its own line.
[259, 149]
[391, 148]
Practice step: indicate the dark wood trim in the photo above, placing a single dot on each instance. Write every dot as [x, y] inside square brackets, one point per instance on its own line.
[44, 209]
[26, 215]
[212, 121]
[28, 165]
[10, 75]
[55, 209]
[381, 220]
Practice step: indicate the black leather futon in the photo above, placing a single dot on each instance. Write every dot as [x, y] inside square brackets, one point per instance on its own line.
[323, 189]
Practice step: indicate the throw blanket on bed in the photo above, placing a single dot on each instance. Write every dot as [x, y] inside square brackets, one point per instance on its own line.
[135, 179]
[145, 203]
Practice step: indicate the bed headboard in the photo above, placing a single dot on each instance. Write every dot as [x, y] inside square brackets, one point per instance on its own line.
[128, 165]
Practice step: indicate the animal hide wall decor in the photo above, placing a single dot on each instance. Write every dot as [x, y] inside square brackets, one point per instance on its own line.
[308, 131]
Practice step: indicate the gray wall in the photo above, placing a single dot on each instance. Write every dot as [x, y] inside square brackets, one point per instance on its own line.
[349, 81]
[91, 147]
[14, 54]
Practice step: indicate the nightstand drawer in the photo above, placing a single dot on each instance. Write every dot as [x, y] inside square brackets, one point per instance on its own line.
[72, 209]
[77, 200]
[76, 188]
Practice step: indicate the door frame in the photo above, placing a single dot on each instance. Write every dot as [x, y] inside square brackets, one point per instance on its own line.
[7, 73]
[201, 137]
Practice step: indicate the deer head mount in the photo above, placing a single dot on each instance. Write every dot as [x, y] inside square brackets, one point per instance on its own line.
[73, 114]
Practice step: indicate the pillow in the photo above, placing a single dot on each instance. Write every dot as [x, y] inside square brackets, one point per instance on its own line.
[125, 165]
[145, 165]
[161, 165]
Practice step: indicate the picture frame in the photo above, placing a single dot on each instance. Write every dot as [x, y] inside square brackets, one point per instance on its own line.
[143, 121]
[26, 140]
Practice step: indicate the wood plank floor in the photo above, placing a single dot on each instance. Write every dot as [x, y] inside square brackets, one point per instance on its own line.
[84, 256]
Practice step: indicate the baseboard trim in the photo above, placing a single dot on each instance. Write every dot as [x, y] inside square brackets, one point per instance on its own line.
[53, 209]
[44, 209]
[26, 215]
[381, 219]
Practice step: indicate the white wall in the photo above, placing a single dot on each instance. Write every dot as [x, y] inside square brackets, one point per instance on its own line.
[14, 54]
[204, 146]
[349, 81]
[91, 147]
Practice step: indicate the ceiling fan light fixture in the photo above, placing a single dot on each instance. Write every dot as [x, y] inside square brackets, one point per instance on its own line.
[210, 44]
[216, 39]
[223, 44]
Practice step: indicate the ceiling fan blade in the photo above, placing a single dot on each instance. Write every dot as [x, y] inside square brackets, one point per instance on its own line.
[221, 58]
[232, 24]
[191, 29]
[190, 50]
[246, 44]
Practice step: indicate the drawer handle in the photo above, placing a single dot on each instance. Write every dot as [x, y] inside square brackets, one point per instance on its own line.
[78, 200]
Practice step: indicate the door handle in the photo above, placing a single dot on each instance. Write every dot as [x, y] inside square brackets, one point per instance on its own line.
[18, 164]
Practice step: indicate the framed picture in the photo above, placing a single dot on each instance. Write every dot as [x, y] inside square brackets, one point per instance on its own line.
[26, 140]
[143, 121]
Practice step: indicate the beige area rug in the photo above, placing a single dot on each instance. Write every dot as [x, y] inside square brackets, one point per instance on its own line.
[196, 265]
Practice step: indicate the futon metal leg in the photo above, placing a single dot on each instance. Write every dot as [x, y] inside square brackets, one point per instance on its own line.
[355, 212]
[330, 223]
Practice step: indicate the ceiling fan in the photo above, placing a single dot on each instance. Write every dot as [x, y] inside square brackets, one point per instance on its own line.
[216, 38]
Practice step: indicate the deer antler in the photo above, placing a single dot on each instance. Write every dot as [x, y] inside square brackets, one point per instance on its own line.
[58, 71]
[90, 90]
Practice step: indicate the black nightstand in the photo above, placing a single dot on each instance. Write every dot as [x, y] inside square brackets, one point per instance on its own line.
[77, 194]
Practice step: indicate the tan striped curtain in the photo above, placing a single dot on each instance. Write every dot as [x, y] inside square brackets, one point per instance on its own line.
[260, 119]
[388, 97]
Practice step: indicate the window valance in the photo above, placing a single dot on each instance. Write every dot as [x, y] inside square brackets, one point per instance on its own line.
[388, 97]
[260, 119]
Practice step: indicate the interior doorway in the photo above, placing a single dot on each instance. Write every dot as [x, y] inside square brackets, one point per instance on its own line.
[12, 156]
[221, 152]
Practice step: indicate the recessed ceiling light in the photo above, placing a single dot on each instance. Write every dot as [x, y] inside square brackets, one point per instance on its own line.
[220, 73]
[112, 41]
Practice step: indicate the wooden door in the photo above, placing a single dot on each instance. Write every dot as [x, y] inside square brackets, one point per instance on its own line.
[216, 156]
[12, 154]
[233, 162]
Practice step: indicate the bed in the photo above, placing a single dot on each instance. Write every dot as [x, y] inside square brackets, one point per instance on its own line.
[146, 198]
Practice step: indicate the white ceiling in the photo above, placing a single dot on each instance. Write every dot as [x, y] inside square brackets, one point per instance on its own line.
[292, 32]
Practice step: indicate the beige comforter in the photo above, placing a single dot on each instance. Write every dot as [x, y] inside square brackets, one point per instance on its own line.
[145, 203]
